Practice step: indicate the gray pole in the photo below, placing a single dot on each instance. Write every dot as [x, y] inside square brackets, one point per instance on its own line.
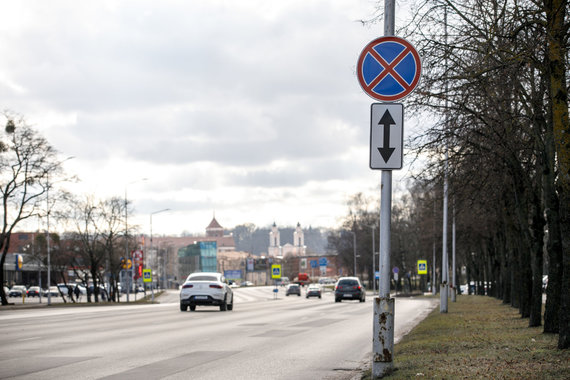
[373, 262]
[383, 321]
[47, 243]
[354, 249]
[125, 286]
[433, 277]
[454, 279]
[444, 258]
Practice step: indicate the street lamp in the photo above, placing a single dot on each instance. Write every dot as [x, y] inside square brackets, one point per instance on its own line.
[47, 225]
[373, 227]
[354, 249]
[150, 250]
[127, 231]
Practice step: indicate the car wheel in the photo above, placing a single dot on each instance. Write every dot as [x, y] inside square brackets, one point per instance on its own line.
[231, 305]
[224, 306]
[192, 307]
[337, 300]
[319, 296]
[183, 307]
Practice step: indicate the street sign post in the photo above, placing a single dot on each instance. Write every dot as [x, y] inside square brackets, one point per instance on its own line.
[386, 136]
[389, 68]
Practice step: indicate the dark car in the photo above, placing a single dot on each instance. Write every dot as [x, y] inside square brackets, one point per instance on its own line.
[314, 290]
[293, 289]
[349, 288]
[34, 291]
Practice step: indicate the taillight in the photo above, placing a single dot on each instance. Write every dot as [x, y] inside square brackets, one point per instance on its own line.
[359, 287]
[339, 287]
[216, 286]
[187, 286]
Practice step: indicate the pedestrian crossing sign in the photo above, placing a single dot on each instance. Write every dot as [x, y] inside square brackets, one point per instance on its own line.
[276, 271]
[147, 275]
[422, 266]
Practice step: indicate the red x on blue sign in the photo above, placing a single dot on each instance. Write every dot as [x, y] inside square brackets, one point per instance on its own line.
[389, 68]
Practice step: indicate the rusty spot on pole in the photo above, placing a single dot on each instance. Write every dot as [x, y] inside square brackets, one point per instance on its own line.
[387, 355]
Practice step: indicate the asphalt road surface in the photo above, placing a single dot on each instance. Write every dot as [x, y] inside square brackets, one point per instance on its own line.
[262, 338]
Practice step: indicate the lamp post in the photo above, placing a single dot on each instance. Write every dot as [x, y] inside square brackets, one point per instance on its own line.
[373, 227]
[354, 249]
[47, 226]
[127, 232]
[150, 250]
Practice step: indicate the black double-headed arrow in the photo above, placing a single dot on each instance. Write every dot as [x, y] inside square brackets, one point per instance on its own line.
[385, 150]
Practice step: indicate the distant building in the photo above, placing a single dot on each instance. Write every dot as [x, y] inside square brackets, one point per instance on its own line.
[214, 252]
[198, 257]
[296, 249]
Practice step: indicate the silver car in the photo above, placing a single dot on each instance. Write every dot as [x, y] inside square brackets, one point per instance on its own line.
[206, 289]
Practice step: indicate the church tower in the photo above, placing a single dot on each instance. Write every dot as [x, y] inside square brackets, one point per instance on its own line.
[274, 241]
[299, 240]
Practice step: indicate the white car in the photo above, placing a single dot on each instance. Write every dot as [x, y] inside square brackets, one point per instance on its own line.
[206, 289]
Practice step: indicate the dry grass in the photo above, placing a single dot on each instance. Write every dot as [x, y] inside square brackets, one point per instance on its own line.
[479, 338]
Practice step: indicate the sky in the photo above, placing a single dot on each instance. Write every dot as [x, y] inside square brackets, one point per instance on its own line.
[248, 110]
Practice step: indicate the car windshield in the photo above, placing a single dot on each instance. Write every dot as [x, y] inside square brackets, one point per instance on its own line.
[202, 278]
[348, 283]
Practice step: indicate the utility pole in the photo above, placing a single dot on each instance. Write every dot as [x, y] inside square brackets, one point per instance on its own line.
[444, 257]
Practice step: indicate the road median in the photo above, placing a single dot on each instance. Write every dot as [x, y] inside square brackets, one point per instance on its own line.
[479, 338]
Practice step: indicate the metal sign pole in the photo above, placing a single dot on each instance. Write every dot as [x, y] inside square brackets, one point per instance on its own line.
[383, 322]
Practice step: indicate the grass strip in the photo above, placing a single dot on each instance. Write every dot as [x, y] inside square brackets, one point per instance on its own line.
[479, 338]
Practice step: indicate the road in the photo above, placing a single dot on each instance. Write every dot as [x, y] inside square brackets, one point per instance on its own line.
[262, 338]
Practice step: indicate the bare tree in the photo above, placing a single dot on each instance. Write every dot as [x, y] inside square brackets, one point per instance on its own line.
[26, 162]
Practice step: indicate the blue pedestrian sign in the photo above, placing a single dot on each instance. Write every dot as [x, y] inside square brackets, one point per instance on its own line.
[313, 263]
[389, 68]
[323, 262]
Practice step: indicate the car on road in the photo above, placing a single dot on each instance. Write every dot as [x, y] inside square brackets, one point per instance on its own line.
[283, 281]
[349, 288]
[17, 291]
[247, 283]
[293, 289]
[314, 290]
[206, 289]
[33, 291]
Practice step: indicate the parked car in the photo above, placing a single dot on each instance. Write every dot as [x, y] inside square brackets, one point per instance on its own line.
[247, 283]
[293, 289]
[52, 291]
[349, 288]
[313, 290]
[6, 290]
[283, 281]
[17, 291]
[33, 291]
[206, 289]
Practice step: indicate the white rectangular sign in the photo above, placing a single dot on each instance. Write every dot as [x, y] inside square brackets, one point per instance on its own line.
[386, 136]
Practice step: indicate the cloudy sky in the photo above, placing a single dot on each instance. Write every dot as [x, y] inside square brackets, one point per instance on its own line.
[250, 109]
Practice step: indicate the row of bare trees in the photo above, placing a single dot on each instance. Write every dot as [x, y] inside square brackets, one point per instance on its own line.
[495, 75]
[30, 171]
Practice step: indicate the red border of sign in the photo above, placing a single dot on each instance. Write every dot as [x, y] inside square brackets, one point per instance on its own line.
[368, 89]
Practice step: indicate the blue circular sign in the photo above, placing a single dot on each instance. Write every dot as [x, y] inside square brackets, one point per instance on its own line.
[389, 68]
